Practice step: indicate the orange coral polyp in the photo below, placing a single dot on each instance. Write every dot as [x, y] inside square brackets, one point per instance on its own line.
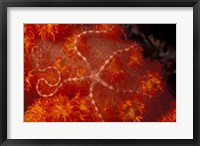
[114, 70]
[111, 30]
[136, 58]
[69, 46]
[170, 116]
[131, 110]
[151, 83]
[48, 31]
[61, 108]
[27, 79]
[104, 26]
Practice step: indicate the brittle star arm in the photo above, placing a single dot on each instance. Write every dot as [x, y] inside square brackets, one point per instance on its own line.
[93, 101]
[102, 68]
[39, 58]
[57, 84]
[59, 78]
[83, 33]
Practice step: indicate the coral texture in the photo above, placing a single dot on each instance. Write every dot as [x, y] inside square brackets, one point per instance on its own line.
[90, 73]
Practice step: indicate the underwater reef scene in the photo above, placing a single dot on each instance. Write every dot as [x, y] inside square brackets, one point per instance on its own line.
[99, 73]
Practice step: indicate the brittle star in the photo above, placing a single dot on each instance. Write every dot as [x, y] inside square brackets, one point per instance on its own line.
[94, 76]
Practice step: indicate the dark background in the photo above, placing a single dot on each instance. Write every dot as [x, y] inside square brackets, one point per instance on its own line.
[159, 43]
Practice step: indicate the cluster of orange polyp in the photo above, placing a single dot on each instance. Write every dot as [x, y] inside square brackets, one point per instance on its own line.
[77, 73]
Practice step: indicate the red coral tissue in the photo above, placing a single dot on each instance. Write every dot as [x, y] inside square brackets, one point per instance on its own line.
[91, 73]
